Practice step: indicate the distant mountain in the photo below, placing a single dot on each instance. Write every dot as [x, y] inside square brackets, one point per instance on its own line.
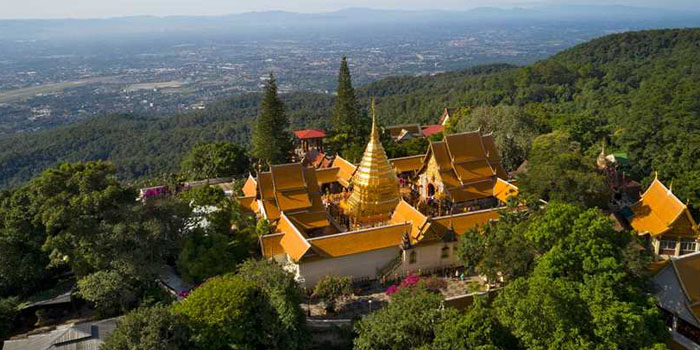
[289, 23]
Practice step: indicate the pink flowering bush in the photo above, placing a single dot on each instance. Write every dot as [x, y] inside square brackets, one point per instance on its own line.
[408, 282]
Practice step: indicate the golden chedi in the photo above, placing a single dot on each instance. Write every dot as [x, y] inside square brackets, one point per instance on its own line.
[375, 188]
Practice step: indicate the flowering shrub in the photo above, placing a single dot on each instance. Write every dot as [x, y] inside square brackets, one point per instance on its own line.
[408, 282]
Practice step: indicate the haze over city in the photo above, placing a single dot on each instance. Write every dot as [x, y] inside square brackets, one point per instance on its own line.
[102, 9]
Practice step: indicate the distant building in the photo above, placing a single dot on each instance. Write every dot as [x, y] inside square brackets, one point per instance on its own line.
[403, 132]
[447, 113]
[87, 336]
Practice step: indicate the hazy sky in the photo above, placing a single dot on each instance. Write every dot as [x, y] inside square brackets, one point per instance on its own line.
[114, 8]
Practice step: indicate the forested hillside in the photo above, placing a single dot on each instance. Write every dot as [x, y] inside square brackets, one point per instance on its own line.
[639, 91]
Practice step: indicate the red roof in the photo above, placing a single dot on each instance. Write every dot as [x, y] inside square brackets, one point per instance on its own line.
[309, 134]
[432, 129]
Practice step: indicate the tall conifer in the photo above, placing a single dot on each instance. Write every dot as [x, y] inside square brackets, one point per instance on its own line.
[271, 141]
[346, 116]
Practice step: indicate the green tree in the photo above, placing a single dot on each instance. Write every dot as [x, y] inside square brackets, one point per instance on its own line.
[408, 322]
[557, 170]
[585, 291]
[94, 223]
[22, 262]
[271, 141]
[206, 254]
[350, 127]
[499, 249]
[8, 312]
[155, 328]
[283, 292]
[345, 115]
[110, 291]
[214, 160]
[477, 328]
[228, 312]
[332, 287]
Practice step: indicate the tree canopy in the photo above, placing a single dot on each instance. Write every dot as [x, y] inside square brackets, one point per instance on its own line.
[271, 141]
[214, 160]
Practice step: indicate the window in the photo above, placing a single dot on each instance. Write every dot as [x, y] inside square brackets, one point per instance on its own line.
[412, 257]
[687, 246]
[445, 252]
[668, 247]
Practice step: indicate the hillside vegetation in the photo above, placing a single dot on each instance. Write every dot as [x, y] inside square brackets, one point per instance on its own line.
[639, 91]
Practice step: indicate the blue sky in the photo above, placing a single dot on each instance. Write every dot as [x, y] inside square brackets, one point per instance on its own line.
[115, 8]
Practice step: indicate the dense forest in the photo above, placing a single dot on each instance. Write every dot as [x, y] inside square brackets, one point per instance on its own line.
[639, 92]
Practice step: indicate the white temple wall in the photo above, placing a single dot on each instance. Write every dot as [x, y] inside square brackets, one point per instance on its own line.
[363, 265]
[428, 257]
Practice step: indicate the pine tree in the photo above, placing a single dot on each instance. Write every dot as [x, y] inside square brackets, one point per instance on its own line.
[271, 140]
[346, 116]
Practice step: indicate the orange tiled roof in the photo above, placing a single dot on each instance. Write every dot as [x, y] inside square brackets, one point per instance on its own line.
[327, 175]
[462, 223]
[361, 241]
[345, 170]
[404, 212]
[313, 189]
[272, 212]
[250, 187]
[293, 200]
[472, 191]
[294, 242]
[659, 212]
[265, 186]
[473, 171]
[249, 203]
[406, 164]
[503, 189]
[465, 147]
[288, 176]
[493, 156]
[310, 220]
[271, 246]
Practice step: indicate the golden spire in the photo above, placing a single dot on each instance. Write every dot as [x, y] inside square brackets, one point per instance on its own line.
[375, 188]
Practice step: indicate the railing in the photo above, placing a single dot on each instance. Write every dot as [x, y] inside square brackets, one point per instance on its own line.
[390, 267]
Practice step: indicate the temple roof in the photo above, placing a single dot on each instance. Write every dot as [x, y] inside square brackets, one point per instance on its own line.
[345, 170]
[659, 211]
[430, 130]
[679, 288]
[310, 134]
[406, 164]
[469, 166]
[293, 236]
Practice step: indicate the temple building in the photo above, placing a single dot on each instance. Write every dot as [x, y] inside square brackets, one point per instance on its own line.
[665, 220]
[370, 220]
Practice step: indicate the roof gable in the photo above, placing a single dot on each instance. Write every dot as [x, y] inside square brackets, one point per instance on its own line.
[658, 211]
